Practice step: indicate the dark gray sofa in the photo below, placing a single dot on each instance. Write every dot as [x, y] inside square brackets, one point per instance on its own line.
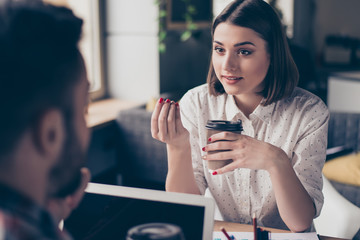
[143, 159]
[344, 130]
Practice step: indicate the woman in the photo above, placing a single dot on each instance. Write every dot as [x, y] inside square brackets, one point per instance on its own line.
[277, 161]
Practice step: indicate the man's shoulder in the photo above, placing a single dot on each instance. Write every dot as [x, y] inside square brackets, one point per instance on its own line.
[11, 226]
[2, 225]
[16, 227]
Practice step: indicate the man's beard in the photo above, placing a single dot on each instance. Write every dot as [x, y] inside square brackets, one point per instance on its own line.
[65, 177]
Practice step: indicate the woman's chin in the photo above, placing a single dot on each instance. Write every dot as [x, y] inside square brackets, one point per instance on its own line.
[232, 91]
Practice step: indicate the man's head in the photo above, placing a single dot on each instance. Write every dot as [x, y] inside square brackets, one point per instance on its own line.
[44, 91]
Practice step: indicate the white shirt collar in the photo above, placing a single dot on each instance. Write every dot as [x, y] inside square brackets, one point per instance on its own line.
[262, 112]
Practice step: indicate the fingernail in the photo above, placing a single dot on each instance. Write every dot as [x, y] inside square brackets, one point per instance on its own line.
[214, 173]
[209, 140]
[177, 104]
[203, 149]
[167, 100]
[161, 100]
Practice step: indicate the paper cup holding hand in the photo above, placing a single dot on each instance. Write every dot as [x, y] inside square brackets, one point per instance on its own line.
[216, 126]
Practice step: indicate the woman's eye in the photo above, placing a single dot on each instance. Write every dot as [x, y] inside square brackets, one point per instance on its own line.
[219, 50]
[244, 52]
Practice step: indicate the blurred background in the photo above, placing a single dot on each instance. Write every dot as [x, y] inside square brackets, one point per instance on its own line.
[140, 49]
[137, 51]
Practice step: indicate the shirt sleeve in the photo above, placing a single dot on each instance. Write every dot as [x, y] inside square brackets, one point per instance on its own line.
[189, 107]
[310, 151]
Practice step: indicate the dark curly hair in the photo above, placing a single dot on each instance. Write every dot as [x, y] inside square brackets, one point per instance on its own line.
[40, 64]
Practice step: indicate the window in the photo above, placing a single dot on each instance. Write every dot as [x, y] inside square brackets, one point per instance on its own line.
[91, 42]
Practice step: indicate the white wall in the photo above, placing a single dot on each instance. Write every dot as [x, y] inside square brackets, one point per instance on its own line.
[343, 92]
[219, 5]
[89, 44]
[132, 49]
[287, 8]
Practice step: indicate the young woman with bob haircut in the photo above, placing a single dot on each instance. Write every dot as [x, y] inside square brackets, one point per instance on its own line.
[277, 160]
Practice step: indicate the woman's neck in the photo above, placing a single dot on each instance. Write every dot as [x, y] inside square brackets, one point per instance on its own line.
[247, 103]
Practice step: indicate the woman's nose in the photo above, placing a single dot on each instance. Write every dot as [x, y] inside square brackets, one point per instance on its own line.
[229, 63]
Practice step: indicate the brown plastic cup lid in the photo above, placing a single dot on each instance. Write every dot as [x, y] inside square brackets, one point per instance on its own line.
[223, 125]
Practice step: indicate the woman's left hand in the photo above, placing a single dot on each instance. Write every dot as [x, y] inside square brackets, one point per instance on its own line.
[245, 151]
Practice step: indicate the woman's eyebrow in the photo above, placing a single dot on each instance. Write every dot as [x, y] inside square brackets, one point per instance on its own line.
[243, 43]
[236, 44]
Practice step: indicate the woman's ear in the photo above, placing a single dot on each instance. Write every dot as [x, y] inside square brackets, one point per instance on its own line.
[49, 134]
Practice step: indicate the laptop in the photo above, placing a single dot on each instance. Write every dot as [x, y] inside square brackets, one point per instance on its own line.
[109, 211]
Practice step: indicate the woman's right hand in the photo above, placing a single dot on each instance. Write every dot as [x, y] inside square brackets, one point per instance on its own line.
[166, 125]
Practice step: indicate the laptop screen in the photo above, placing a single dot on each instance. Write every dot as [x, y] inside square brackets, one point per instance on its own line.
[110, 216]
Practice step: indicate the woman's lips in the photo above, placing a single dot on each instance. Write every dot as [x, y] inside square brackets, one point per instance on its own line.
[232, 79]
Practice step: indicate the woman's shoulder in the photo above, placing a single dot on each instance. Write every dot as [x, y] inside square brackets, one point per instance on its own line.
[304, 99]
[302, 92]
[201, 90]
[303, 107]
[302, 104]
[194, 97]
[200, 94]
[201, 99]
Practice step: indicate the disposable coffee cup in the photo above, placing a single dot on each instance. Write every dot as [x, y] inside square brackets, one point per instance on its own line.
[216, 126]
[155, 231]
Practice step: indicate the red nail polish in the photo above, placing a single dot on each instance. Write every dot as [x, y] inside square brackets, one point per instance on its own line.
[214, 173]
[167, 100]
[203, 149]
[161, 100]
[177, 104]
[209, 140]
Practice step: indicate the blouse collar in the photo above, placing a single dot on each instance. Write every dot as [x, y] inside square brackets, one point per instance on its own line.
[262, 112]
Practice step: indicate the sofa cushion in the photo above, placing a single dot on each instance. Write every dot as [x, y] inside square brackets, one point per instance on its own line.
[142, 158]
[344, 130]
[344, 169]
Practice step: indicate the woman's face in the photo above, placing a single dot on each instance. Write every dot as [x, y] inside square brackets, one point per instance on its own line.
[240, 59]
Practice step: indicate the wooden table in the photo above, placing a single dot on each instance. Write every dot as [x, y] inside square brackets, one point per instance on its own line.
[237, 227]
[104, 111]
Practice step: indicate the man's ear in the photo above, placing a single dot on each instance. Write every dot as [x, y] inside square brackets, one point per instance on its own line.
[50, 133]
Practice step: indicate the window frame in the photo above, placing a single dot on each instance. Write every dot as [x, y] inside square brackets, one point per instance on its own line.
[91, 44]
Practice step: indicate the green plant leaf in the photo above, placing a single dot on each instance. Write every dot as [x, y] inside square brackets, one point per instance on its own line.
[162, 13]
[191, 9]
[162, 47]
[162, 35]
[187, 17]
[185, 35]
[192, 26]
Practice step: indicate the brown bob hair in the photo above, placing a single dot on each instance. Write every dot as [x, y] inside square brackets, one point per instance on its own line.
[282, 75]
